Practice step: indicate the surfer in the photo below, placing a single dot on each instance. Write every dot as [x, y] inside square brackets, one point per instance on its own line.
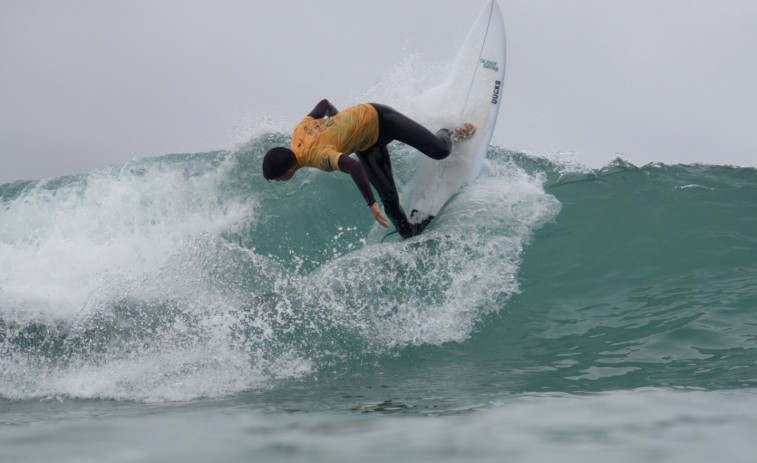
[326, 137]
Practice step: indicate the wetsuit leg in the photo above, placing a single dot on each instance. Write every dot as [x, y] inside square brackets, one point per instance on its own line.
[394, 125]
[378, 167]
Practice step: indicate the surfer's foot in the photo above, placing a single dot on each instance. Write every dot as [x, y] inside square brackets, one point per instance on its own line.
[464, 131]
[460, 133]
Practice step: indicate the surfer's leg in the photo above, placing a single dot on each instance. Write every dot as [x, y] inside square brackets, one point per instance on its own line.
[378, 167]
[394, 125]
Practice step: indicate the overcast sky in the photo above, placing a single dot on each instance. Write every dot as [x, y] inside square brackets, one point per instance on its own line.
[89, 83]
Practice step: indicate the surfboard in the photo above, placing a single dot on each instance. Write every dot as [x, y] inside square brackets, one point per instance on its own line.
[471, 93]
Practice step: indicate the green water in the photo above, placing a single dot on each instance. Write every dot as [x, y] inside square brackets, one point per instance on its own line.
[182, 308]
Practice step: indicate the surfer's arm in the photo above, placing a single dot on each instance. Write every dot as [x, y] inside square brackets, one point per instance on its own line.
[323, 108]
[356, 171]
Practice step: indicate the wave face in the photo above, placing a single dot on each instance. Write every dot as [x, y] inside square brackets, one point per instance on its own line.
[648, 277]
[188, 276]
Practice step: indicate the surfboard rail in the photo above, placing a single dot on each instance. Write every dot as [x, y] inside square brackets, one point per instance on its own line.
[474, 89]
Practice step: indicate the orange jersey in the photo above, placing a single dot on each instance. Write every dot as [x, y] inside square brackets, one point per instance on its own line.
[320, 142]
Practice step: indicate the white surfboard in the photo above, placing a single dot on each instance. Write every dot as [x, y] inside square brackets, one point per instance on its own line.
[473, 94]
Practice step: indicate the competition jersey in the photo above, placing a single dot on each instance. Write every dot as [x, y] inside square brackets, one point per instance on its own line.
[319, 142]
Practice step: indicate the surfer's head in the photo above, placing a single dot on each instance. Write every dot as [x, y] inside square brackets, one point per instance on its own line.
[279, 164]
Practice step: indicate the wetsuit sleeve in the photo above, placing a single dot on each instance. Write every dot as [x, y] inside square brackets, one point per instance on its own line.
[355, 169]
[323, 108]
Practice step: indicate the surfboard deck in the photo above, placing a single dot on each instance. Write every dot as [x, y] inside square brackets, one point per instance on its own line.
[471, 93]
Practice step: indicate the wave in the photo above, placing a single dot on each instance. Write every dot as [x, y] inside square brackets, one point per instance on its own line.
[188, 276]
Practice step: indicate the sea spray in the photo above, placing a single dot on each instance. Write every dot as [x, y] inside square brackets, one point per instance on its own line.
[187, 276]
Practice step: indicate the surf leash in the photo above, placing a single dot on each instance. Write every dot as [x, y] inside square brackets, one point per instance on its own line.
[388, 234]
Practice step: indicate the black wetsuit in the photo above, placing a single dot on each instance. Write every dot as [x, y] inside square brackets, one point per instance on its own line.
[375, 160]
[378, 167]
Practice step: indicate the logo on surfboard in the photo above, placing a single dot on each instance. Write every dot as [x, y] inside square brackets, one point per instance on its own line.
[489, 64]
[495, 93]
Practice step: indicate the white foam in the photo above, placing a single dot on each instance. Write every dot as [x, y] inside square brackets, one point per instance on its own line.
[433, 288]
[59, 243]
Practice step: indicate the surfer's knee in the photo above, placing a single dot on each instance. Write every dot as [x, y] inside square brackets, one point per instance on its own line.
[443, 148]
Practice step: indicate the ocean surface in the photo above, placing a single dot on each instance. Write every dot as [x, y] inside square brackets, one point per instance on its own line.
[181, 308]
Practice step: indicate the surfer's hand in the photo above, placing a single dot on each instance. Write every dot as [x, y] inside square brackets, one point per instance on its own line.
[376, 210]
